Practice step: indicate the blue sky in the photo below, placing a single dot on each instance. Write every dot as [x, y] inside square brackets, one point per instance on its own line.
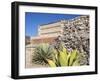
[32, 20]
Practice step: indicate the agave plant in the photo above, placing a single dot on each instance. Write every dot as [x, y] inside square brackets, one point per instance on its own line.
[45, 54]
[42, 53]
[65, 58]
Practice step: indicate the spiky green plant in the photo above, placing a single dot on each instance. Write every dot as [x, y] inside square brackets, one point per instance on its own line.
[45, 54]
[65, 58]
[41, 53]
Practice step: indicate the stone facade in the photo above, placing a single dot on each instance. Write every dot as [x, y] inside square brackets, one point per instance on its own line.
[51, 29]
[76, 36]
[47, 33]
[48, 39]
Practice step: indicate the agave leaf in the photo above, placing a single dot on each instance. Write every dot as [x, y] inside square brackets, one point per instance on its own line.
[73, 57]
[65, 51]
[55, 54]
[51, 63]
[63, 58]
[68, 58]
[45, 46]
[76, 63]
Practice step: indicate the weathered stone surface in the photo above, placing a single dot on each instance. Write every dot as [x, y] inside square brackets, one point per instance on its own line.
[76, 36]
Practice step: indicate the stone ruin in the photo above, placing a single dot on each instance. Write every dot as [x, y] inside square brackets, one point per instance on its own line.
[76, 36]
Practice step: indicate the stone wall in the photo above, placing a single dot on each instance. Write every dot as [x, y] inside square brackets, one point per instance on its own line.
[76, 36]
